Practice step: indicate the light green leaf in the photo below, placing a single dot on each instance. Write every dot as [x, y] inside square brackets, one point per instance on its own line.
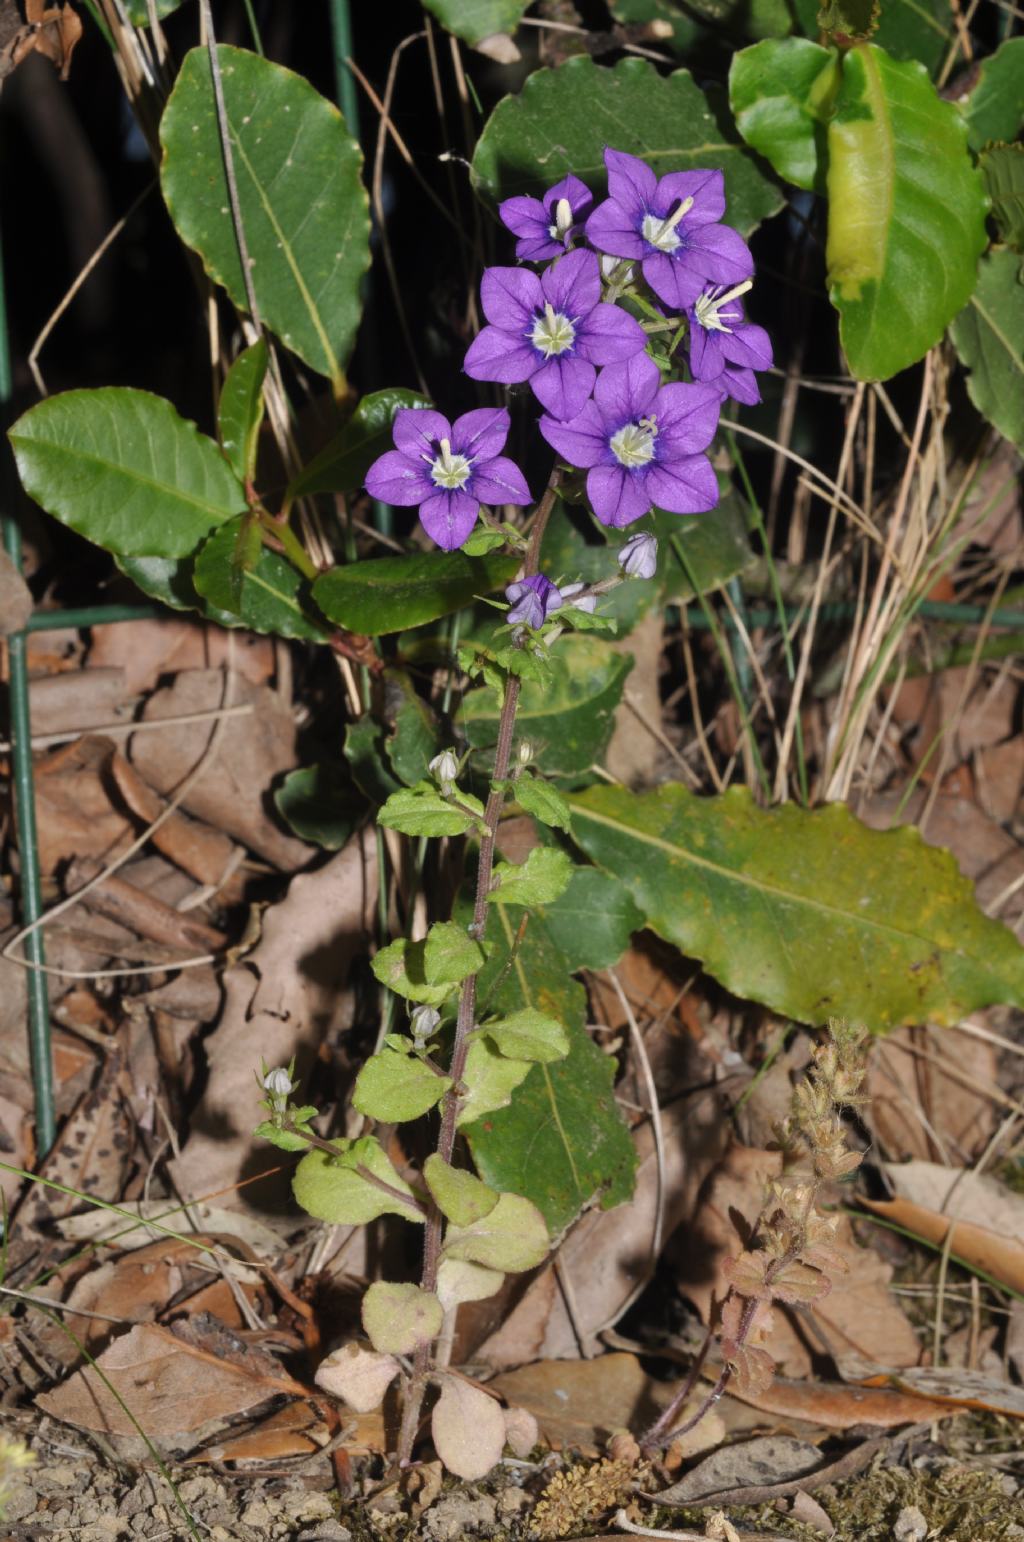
[284, 1140]
[483, 540]
[401, 967]
[528, 1035]
[421, 810]
[543, 801]
[396, 1088]
[592, 922]
[340, 1192]
[344, 461]
[569, 718]
[907, 29]
[1002, 167]
[781, 94]
[490, 1080]
[538, 881]
[807, 911]
[388, 594]
[458, 1281]
[124, 470]
[320, 804]
[988, 335]
[512, 1237]
[461, 1198]
[450, 954]
[906, 213]
[240, 410]
[476, 20]
[995, 107]
[270, 597]
[138, 10]
[399, 1318]
[303, 205]
[562, 120]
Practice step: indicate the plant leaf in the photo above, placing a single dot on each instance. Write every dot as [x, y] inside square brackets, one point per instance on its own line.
[396, 1088]
[781, 94]
[303, 205]
[388, 594]
[562, 120]
[421, 810]
[906, 213]
[461, 1198]
[511, 1237]
[320, 804]
[342, 1194]
[528, 1035]
[809, 912]
[907, 29]
[450, 954]
[401, 967]
[538, 881]
[468, 1429]
[458, 1281]
[490, 1079]
[124, 470]
[240, 410]
[543, 801]
[364, 749]
[988, 335]
[592, 922]
[476, 20]
[995, 107]
[1002, 167]
[413, 741]
[270, 596]
[357, 1376]
[344, 461]
[399, 1318]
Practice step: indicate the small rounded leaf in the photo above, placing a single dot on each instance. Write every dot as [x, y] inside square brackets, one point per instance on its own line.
[468, 1428]
[343, 1195]
[513, 1237]
[359, 1377]
[458, 1281]
[461, 1198]
[399, 1318]
[397, 1087]
[521, 1431]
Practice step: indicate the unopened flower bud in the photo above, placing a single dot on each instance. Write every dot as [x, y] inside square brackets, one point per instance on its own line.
[639, 557]
[587, 602]
[423, 1022]
[525, 752]
[445, 768]
[278, 1083]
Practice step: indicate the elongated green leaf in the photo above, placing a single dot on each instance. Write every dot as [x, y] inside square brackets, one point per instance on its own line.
[303, 206]
[569, 718]
[270, 596]
[364, 751]
[562, 120]
[781, 94]
[320, 804]
[343, 463]
[475, 20]
[592, 922]
[988, 335]
[809, 912]
[138, 10]
[169, 580]
[388, 594]
[124, 470]
[995, 107]
[906, 213]
[240, 409]
[1002, 167]
[413, 742]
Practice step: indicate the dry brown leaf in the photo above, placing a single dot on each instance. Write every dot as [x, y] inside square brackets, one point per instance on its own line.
[634, 754]
[915, 1106]
[254, 750]
[295, 1430]
[143, 912]
[75, 813]
[960, 1193]
[468, 1429]
[994, 1253]
[836, 1405]
[963, 1389]
[59, 29]
[766, 1460]
[74, 701]
[580, 1403]
[192, 845]
[16, 602]
[148, 651]
[283, 999]
[999, 774]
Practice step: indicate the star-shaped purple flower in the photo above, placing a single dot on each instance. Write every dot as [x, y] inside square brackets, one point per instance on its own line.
[449, 469]
[551, 330]
[672, 225]
[544, 227]
[724, 348]
[642, 443]
[532, 600]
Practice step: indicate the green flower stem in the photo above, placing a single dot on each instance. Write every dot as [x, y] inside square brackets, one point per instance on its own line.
[290, 544]
[466, 1019]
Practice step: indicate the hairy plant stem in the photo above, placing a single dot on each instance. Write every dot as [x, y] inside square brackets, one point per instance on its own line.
[466, 1018]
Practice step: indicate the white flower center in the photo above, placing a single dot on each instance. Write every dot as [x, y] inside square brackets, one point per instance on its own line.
[708, 309]
[559, 231]
[662, 232]
[448, 470]
[633, 445]
[552, 333]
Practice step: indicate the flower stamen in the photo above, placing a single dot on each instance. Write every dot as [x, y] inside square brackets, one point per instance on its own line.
[448, 470]
[662, 232]
[633, 445]
[708, 308]
[552, 333]
[562, 226]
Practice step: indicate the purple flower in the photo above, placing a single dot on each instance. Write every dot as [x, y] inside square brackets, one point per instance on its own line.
[448, 469]
[639, 557]
[551, 330]
[544, 229]
[725, 349]
[672, 225]
[532, 600]
[642, 443]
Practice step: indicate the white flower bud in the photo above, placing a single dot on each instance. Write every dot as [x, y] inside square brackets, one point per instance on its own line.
[423, 1022]
[639, 557]
[278, 1083]
[587, 603]
[445, 768]
[525, 752]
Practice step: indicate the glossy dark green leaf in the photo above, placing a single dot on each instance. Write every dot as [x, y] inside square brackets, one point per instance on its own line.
[124, 470]
[995, 107]
[343, 462]
[169, 580]
[388, 594]
[781, 94]
[303, 205]
[569, 718]
[476, 20]
[715, 546]
[1002, 167]
[676, 30]
[413, 740]
[320, 804]
[240, 410]
[988, 335]
[906, 213]
[562, 120]
[807, 911]
[270, 598]
[365, 751]
[907, 29]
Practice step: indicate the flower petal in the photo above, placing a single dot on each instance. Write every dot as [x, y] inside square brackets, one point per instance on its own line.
[563, 385]
[612, 228]
[631, 182]
[684, 486]
[719, 253]
[570, 187]
[583, 441]
[687, 419]
[706, 358]
[673, 283]
[748, 346]
[510, 296]
[609, 335]
[495, 354]
[417, 430]
[627, 390]
[706, 188]
[573, 284]
[399, 479]
[617, 496]
[481, 433]
[740, 384]
[525, 217]
[499, 480]
[448, 518]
